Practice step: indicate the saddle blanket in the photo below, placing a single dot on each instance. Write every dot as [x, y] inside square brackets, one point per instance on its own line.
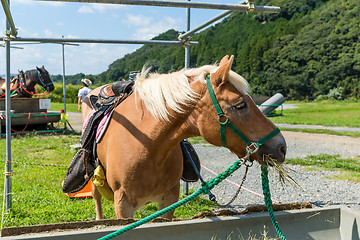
[102, 125]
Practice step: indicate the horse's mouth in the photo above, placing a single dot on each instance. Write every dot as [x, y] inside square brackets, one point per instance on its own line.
[271, 159]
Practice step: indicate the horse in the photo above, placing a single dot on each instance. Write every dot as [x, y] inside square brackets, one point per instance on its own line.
[140, 150]
[23, 85]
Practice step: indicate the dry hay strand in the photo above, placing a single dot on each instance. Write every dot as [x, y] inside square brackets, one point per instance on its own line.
[263, 236]
[282, 170]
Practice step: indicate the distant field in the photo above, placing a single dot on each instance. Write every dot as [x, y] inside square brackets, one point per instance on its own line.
[70, 107]
[327, 113]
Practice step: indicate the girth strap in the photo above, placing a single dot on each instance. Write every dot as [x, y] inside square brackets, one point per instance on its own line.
[224, 121]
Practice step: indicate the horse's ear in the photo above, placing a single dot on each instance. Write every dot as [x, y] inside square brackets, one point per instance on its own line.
[38, 68]
[224, 68]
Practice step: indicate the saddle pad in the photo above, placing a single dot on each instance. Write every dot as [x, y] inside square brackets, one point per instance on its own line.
[100, 130]
[103, 125]
[87, 119]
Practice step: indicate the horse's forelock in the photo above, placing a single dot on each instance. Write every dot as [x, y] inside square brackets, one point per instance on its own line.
[235, 79]
[239, 82]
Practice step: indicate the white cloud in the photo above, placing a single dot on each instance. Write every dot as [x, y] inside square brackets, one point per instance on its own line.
[93, 58]
[100, 7]
[137, 20]
[147, 28]
[86, 58]
[85, 9]
[24, 32]
[32, 2]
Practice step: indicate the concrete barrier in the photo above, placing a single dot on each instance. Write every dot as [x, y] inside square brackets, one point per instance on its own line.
[323, 223]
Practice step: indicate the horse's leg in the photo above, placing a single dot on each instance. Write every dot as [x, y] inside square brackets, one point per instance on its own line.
[169, 198]
[122, 205]
[97, 199]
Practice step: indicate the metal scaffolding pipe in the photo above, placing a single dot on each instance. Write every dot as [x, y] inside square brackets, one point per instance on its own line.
[189, 32]
[8, 171]
[9, 17]
[186, 4]
[84, 40]
[185, 185]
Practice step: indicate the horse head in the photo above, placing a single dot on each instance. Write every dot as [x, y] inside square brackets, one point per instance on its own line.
[44, 79]
[226, 115]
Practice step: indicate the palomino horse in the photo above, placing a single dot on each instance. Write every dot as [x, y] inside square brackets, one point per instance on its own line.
[24, 84]
[140, 150]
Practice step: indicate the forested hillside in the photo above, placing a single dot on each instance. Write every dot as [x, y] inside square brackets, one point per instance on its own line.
[307, 51]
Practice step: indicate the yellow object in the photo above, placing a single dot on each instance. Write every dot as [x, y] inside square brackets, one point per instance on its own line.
[101, 184]
[63, 117]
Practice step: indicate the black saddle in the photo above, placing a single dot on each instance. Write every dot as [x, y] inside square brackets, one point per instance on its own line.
[84, 162]
[111, 93]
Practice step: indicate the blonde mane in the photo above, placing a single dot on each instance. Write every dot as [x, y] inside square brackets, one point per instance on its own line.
[161, 92]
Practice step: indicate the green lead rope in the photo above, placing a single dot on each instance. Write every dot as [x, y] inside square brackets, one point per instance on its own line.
[206, 187]
[268, 202]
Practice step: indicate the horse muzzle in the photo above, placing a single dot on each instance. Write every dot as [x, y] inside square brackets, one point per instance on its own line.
[272, 152]
[50, 88]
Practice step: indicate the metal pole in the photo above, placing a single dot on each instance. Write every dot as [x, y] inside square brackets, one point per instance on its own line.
[161, 3]
[9, 18]
[187, 65]
[188, 33]
[8, 193]
[74, 40]
[64, 90]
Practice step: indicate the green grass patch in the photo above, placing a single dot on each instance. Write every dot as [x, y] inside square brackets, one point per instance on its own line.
[322, 131]
[349, 168]
[327, 113]
[70, 107]
[37, 193]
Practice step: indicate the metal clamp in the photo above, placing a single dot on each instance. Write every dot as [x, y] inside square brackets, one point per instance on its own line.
[252, 148]
[10, 173]
[251, 6]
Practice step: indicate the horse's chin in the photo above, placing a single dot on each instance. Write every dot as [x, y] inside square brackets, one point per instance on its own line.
[50, 88]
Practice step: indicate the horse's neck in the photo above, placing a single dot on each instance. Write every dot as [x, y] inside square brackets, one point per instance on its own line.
[30, 79]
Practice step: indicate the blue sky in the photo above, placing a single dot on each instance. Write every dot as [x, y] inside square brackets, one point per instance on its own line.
[87, 20]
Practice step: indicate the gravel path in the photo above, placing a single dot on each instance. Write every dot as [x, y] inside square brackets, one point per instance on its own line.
[314, 186]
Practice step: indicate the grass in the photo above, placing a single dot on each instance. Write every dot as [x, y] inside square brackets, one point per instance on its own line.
[323, 131]
[348, 168]
[37, 193]
[70, 107]
[327, 113]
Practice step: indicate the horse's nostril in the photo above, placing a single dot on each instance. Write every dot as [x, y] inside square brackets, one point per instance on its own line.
[282, 150]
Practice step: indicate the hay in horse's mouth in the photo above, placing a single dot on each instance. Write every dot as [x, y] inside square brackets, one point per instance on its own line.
[283, 171]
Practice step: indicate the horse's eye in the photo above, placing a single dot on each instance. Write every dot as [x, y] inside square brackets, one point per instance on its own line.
[240, 105]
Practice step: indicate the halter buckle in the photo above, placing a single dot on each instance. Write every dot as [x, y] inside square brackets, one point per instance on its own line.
[252, 148]
[223, 119]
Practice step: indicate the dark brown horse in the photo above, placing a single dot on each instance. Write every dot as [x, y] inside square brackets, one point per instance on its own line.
[140, 150]
[23, 85]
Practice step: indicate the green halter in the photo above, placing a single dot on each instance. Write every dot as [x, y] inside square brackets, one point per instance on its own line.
[224, 121]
